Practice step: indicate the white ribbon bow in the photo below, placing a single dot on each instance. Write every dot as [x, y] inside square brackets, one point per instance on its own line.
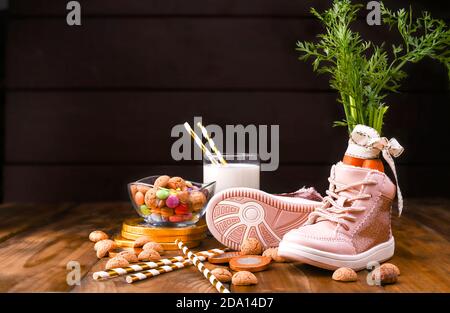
[366, 143]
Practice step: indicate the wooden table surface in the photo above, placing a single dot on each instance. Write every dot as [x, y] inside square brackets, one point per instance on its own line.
[38, 240]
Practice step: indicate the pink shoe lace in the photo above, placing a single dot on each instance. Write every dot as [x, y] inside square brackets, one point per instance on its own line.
[338, 207]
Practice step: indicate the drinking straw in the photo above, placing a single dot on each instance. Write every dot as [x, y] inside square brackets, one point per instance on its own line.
[200, 144]
[212, 144]
[201, 267]
[115, 272]
[156, 271]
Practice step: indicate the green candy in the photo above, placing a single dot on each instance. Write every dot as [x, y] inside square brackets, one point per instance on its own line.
[162, 194]
[145, 210]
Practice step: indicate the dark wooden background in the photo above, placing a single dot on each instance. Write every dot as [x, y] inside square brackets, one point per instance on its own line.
[87, 109]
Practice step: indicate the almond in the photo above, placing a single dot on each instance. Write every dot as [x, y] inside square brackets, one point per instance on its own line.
[244, 278]
[139, 242]
[116, 262]
[385, 275]
[149, 255]
[251, 246]
[104, 246]
[155, 246]
[150, 198]
[161, 181]
[345, 274]
[129, 256]
[176, 182]
[97, 235]
[143, 189]
[96, 245]
[222, 274]
[197, 200]
[273, 254]
[394, 267]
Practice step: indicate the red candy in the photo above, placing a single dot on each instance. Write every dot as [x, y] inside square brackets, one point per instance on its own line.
[176, 218]
[182, 209]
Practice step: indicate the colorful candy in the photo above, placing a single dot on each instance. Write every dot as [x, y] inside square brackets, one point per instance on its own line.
[156, 211]
[144, 209]
[167, 212]
[176, 218]
[182, 209]
[160, 203]
[162, 194]
[170, 199]
[139, 198]
[156, 217]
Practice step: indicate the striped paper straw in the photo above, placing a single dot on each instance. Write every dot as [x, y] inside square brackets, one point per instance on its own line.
[156, 271]
[201, 267]
[199, 143]
[150, 265]
[212, 144]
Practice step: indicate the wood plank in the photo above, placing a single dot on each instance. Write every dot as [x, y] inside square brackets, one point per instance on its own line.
[186, 53]
[296, 277]
[204, 7]
[320, 280]
[107, 182]
[17, 218]
[422, 255]
[277, 278]
[125, 122]
[433, 213]
[176, 281]
[36, 260]
[40, 255]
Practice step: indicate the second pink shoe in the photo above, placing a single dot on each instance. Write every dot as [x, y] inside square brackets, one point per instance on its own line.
[238, 213]
[353, 226]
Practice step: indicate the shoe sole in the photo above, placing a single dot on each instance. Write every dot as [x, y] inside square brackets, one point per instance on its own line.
[332, 261]
[238, 213]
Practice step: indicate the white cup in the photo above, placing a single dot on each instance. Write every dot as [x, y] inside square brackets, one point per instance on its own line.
[241, 170]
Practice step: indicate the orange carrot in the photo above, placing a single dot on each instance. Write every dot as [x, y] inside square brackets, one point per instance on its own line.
[349, 160]
[375, 164]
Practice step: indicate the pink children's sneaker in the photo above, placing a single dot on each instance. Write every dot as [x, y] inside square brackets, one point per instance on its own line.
[352, 227]
[238, 213]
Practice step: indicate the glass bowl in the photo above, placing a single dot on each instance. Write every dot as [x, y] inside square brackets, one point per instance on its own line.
[170, 207]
